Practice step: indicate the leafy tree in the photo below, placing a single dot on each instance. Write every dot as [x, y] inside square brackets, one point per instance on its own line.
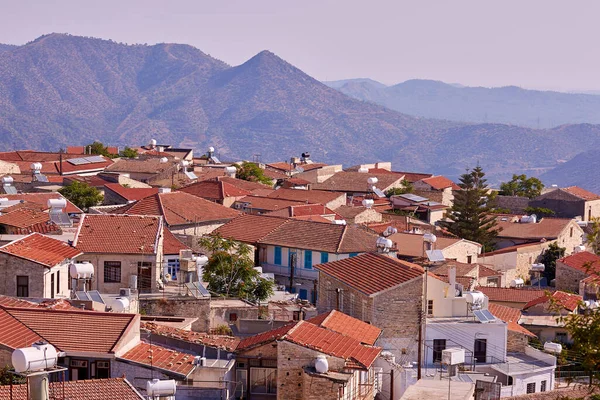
[593, 237]
[128, 152]
[521, 185]
[407, 187]
[82, 195]
[470, 217]
[98, 148]
[552, 253]
[252, 172]
[230, 270]
[6, 377]
[540, 211]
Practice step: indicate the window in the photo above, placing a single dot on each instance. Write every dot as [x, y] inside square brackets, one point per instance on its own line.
[232, 317]
[57, 282]
[429, 307]
[531, 387]
[571, 232]
[561, 337]
[324, 258]
[469, 259]
[263, 380]
[352, 254]
[438, 346]
[493, 281]
[51, 286]
[173, 268]
[22, 286]
[543, 386]
[303, 294]
[112, 271]
[480, 350]
[102, 369]
[308, 259]
[277, 256]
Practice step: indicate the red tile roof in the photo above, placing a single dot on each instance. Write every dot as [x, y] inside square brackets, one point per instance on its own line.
[410, 244]
[180, 208]
[581, 193]
[511, 295]
[14, 334]
[440, 182]
[287, 167]
[173, 361]
[172, 245]
[356, 182]
[584, 261]
[69, 330]
[244, 185]
[307, 196]
[348, 326]
[546, 228]
[214, 190]
[130, 194]
[371, 273]
[268, 203]
[55, 304]
[120, 234]
[511, 316]
[305, 210]
[249, 228]
[509, 249]
[228, 343]
[42, 200]
[265, 337]
[332, 343]
[41, 249]
[68, 168]
[26, 220]
[567, 300]
[413, 177]
[93, 389]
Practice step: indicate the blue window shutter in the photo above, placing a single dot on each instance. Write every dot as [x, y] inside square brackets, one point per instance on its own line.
[277, 260]
[353, 254]
[303, 294]
[308, 259]
[324, 257]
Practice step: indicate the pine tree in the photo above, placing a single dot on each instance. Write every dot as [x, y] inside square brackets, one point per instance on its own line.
[471, 215]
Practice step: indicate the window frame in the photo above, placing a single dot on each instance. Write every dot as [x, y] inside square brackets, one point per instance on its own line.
[530, 388]
[307, 259]
[20, 286]
[277, 255]
[110, 272]
[324, 257]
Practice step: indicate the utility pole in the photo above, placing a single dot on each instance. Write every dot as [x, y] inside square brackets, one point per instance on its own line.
[392, 384]
[420, 350]
[292, 271]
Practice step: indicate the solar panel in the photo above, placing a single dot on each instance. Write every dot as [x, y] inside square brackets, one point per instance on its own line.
[197, 290]
[8, 189]
[378, 192]
[488, 315]
[481, 317]
[413, 197]
[435, 255]
[95, 159]
[95, 296]
[190, 175]
[78, 161]
[60, 219]
[81, 295]
[41, 178]
[215, 160]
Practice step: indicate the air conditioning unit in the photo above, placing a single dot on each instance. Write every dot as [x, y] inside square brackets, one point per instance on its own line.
[125, 292]
[187, 265]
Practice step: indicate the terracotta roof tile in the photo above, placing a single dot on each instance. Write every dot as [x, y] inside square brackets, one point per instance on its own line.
[265, 337]
[42, 200]
[371, 273]
[348, 326]
[14, 334]
[313, 218]
[130, 194]
[584, 261]
[214, 190]
[249, 228]
[287, 167]
[172, 245]
[440, 182]
[308, 196]
[511, 316]
[244, 185]
[546, 228]
[93, 389]
[26, 220]
[305, 210]
[121, 234]
[413, 177]
[41, 249]
[67, 168]
[581, 193]
[228, 343]
[268, 203]
[511, 295]
[173, 361]
[147, 165]
[567, 300]
[356, 182]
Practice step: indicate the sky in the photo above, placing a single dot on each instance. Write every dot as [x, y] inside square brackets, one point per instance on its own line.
[545, 44]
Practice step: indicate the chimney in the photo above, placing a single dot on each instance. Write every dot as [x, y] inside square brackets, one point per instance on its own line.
[452, 281]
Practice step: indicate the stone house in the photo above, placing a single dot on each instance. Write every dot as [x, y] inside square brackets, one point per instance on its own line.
[359, 214]
[374, 287]
[281, 362]
[146, 169]
[566, 232]
[355, 183]
[571, 270]
[115, 193]
[412, 247]
[515, 262]
[570, 202]
[122, 248]
[479, 274]
[36, 266]
[438, 184]
[511, 297]
[421, 207]
[217, 191]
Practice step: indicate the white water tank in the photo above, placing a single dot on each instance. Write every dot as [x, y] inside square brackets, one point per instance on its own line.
[516, 282]
[164, 160]
[83, 270]
[363, 170]
[529, 219]
[591, 304]
[474, 297]
[552, 347]
[201, 261]
[339, 221]
[578, 249]
[321, 364]
[158, 388]
[57, 203]
[372, 180]
[152, 142]
[35, 358]
[389, 231]
[211, 149]
[538, 267]
[384, 243]
[7, 180]
[184, 163]
[121, 305]
[36, 167]
[430, 238]
[368, 203]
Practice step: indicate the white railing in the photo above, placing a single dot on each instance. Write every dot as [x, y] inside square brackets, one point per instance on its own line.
[299, 272]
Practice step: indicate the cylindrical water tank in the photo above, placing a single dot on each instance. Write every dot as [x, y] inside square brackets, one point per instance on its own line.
[35, 358]
[579, 249]
[553, 347]
[57, 203]
[230, 170]
[363, 170]
[339, 221]
[201, 261]
[121, 305]
[538, 267]
[372, 180]
[430, 237]
[152, 142]
[474, 297]
[164, 160]
[211, 149]
[83, 270]
[133, 280]
[36, 166]
[385, 243]
[321, 364]
[389, 231]
[516, 282]
[157, 388]
[184, 163]
[7, 180]
[368, 203]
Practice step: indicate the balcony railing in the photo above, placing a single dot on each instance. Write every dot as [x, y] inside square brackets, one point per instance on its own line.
[299, 272]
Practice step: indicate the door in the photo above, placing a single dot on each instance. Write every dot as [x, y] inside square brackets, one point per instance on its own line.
[51, 286]
[480, 350]
[438, 346]
[303, 294]
[145, 277]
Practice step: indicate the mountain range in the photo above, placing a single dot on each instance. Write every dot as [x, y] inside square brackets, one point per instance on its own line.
[506, 105]
[63, 90]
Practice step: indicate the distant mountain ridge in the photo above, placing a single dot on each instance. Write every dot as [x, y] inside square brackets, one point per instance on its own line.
[66, 90]
[581, 170]
[507, 105]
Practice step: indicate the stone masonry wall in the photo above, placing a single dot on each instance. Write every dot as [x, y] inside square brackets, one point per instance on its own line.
[318, 388]
[515, 342]
[568, 278]
[11, 267]
[189, 308]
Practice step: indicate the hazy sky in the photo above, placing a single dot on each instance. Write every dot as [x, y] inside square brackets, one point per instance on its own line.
[537, 44]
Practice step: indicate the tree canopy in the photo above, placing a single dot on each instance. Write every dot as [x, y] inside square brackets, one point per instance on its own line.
[552, 253]
[252, 172]
[521, 185]
[593, 237]
[98, 148]
[82, 195]
[128, 152]
[230, 270]
[407, 187]
[471, 215]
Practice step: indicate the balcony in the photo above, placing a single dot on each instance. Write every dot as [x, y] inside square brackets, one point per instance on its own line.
[299, 272]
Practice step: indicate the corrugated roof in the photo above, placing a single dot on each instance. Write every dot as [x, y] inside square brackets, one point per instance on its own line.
[41, 249]
[371, 273]
[584, 261]
[154, 356]
[92, 389]
[130, 194]
[120, 234]
[347, 325]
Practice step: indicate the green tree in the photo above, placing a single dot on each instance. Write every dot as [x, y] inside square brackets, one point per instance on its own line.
[407, 187]
[593, 237]
[521, 185]
[540, 211]
[128, 152]
[82, 195]
[230, 270]
[252, 172]
[549, 257]
[98, 148]
[470, 217]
